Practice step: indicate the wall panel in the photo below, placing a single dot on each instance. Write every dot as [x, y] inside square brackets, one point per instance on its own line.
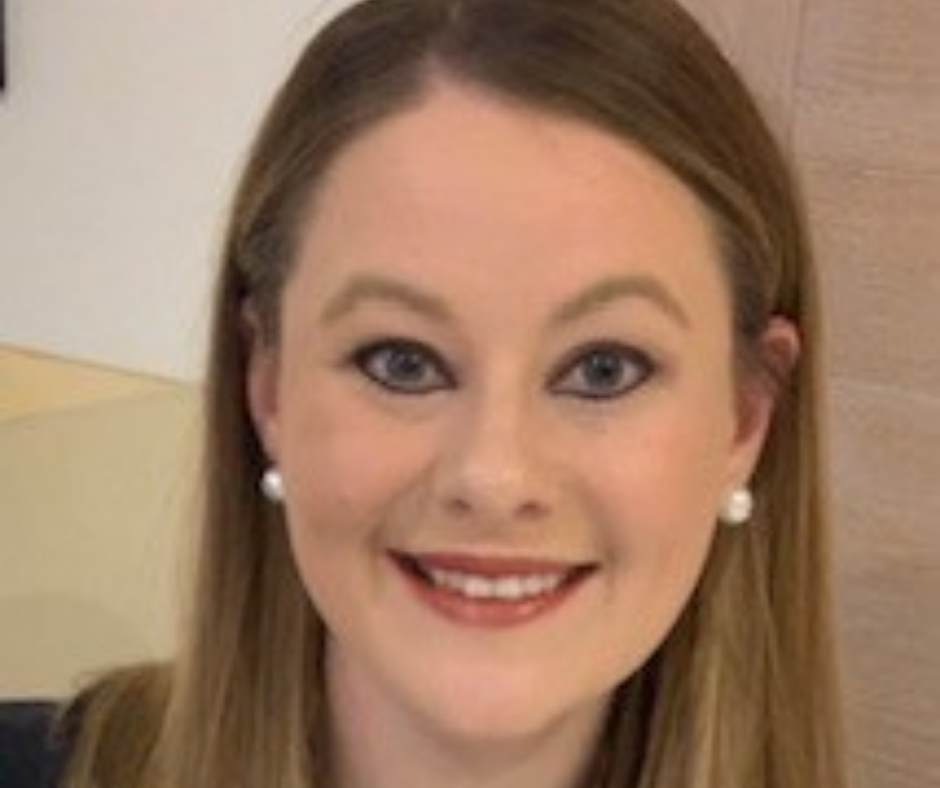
[854, 85]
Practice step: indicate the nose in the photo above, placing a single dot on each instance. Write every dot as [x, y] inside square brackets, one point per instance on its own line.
[491, 470]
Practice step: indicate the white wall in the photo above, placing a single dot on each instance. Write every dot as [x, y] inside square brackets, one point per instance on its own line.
[121, 130]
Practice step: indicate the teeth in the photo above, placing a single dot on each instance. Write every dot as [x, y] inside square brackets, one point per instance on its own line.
[510, 588]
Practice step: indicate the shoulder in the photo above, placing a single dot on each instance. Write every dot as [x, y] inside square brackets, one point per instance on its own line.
[33, 749]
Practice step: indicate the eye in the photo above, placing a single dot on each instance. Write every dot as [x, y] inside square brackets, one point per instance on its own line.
[403, 366]
[603, 371]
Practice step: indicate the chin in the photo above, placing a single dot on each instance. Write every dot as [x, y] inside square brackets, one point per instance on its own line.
[503, 710]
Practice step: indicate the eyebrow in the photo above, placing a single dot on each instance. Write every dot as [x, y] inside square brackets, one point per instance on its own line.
[373, 287]
[609, 290]
[370, 287]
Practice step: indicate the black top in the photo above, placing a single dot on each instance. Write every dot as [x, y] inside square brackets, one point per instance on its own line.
[32, 753]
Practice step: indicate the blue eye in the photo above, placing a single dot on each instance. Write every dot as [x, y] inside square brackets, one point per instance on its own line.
[403, 366]
[603, 371]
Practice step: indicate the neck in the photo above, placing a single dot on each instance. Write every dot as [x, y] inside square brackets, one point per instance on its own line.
[377, 745]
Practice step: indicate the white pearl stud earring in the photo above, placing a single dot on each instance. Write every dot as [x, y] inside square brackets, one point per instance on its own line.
[737, 507]
[272, 485]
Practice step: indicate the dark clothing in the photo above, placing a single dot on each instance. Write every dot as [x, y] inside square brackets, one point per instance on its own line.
[32, 752]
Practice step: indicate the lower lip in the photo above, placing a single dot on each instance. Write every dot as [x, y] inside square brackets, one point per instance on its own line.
[494, 613]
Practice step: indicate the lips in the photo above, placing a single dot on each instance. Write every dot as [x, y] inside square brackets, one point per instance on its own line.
[493, 591]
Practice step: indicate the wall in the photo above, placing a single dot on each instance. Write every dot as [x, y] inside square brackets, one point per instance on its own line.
[868, 131]
[854, 86]
[120, 130]
[96, 514]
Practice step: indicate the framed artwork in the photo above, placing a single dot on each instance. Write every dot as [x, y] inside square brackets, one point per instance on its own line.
[3, 47]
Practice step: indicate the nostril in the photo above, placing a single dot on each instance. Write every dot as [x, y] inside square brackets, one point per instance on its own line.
[532, 510]
[457, 506]
[492, 476]
[489, 509]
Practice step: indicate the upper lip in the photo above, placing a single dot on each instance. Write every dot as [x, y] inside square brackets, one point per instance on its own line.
[490, 565]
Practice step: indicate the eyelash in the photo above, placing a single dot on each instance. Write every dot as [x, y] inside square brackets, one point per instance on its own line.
[365, 357]
[627, 361]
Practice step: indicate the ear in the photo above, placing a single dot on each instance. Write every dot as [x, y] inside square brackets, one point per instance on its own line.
[261, 384]
[758, 391]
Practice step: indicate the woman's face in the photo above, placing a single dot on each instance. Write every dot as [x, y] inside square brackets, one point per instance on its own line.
[504, 407]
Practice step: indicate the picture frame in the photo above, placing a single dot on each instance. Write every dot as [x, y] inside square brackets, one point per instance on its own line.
[3, 47]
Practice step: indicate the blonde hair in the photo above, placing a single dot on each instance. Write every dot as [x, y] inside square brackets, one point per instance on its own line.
[744, 692]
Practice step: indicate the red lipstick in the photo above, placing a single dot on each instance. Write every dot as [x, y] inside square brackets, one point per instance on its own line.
[490, 591]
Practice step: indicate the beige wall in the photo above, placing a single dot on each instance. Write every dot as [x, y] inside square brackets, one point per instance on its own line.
[854, 85]
[120, 131]
[94, 487]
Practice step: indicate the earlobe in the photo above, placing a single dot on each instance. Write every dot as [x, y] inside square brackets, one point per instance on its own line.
[261, 381]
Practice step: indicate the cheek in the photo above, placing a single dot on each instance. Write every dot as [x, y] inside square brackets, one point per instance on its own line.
[659, 482]
[345, 471]
[344, 465]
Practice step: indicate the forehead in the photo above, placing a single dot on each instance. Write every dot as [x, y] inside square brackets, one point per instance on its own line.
[465, 186]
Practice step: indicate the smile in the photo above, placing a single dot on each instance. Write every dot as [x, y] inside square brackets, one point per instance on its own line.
[508, 588]
[490, 591]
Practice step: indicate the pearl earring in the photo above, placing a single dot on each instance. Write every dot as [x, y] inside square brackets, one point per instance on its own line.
[272, 485]
[737, 507]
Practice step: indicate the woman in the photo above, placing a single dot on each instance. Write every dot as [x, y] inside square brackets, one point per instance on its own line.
[512, 465]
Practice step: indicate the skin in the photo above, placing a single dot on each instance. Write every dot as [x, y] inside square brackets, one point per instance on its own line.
[519, 241]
